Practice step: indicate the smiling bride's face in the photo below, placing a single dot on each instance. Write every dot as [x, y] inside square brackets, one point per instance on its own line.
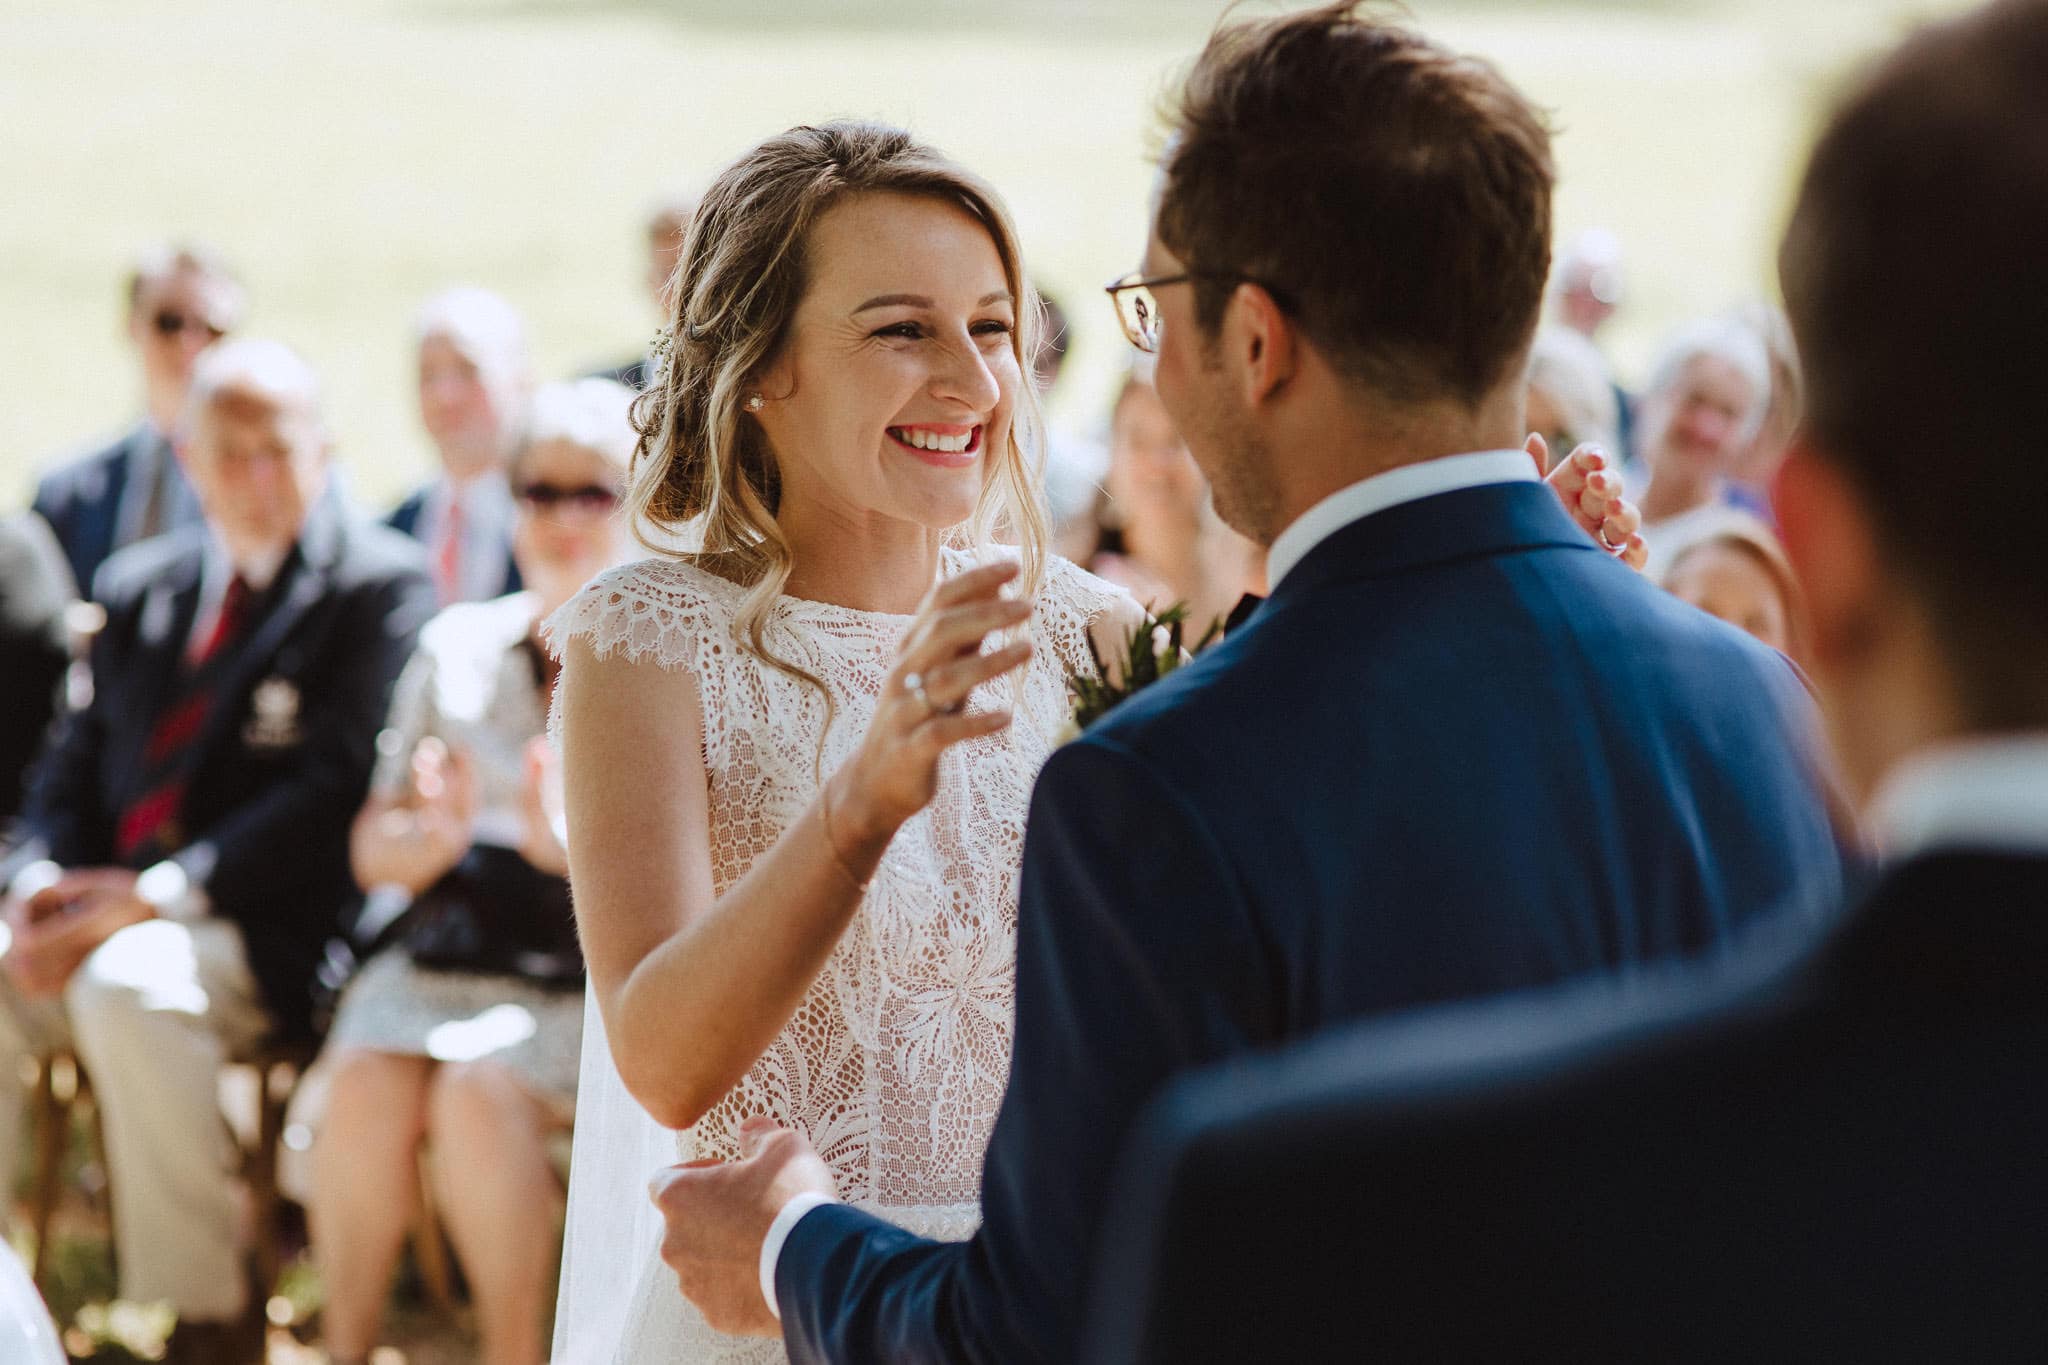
[899, 379]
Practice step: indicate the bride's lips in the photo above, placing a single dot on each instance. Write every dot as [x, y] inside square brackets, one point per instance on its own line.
[967, 437]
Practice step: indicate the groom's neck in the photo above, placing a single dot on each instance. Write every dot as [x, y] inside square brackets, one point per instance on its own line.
[1350, 435]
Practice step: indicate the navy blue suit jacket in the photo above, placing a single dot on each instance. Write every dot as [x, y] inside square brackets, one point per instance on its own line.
[81, 499]
[266, 815]
[1459, 752]
[1828, 1148]
[406, 518]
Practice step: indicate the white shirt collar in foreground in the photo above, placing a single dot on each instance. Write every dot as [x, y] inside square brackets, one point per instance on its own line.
[1381, 491]
[1980, 793]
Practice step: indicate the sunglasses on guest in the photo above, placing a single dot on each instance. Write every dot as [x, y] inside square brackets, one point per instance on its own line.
[584, 500]
[169, 322]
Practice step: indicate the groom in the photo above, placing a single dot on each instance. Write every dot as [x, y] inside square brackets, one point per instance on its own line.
[1460, 751]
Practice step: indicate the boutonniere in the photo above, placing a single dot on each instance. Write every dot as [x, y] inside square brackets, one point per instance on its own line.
[1153, 649]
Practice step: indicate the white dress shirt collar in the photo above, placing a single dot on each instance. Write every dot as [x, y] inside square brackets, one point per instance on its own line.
[1381, 491]
[1989, 793]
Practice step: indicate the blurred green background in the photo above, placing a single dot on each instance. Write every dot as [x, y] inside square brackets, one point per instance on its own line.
[353, 155]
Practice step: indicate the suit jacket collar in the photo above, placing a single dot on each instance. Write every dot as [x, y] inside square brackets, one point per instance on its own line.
[1469, 523]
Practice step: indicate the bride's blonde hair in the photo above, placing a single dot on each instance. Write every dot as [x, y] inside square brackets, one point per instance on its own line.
[704, 472]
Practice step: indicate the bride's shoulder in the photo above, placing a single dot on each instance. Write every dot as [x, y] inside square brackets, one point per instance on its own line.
[1073, 591]
[657, 607]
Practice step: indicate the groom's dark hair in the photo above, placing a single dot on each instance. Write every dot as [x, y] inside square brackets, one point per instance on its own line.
[1915, 272]
[1393, 196]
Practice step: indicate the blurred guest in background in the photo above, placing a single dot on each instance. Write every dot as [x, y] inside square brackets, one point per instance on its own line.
[1701, 409]
[475, 375]
[1757, 465]
[1585, 291]
[1731, 566]
[1074, 458]
[666, 227]
[181, 299]
[463, 1032]
[186, 858]
[1570, 401]
[35, 589]
[1157, 533]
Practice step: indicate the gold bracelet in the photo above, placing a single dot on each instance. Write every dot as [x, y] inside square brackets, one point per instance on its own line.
[832, 843]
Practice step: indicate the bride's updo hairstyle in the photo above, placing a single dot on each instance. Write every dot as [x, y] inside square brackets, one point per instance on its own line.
[704, 471]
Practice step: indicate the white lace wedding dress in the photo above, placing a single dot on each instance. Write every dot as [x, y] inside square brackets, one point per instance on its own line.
[896, 1061]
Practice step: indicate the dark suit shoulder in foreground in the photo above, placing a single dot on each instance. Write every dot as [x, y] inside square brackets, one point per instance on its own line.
[1828, 1148]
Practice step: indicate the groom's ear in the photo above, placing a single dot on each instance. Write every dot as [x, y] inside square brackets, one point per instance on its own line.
[1264, 340]
[1831, 541]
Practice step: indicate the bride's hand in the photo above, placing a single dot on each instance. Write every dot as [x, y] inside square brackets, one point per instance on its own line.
[1592, 492]
[922, 711]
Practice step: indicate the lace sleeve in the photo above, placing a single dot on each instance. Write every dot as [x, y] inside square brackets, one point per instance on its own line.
[661, 610]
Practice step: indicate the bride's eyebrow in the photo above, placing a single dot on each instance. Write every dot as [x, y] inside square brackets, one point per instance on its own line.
[925, 301]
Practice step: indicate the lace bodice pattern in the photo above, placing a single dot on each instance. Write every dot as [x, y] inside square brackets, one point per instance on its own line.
[896, 1061]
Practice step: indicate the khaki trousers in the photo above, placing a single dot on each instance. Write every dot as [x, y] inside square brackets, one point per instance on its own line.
[154, 1014]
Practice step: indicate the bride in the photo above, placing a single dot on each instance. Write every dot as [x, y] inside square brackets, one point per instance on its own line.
[798, 761]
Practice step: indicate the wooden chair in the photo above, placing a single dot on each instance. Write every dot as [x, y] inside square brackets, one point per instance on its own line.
[277, 1067]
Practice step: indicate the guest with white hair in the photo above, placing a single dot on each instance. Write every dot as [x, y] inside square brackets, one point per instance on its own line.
[1587, 289]
[1758, 464]
[185, 860]
[462, 1029]
[475, 377]
[1570, 399]
[1702, 407]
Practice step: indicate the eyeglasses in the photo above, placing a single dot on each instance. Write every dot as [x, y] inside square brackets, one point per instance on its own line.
[586, 502]
[169, 322]
[1138, 310]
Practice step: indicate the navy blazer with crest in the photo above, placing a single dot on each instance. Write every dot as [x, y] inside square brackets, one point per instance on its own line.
[1459, 752]
[286, 749]
[81, 499]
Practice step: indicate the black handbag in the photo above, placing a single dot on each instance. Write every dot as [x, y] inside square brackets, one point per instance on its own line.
[495, 913]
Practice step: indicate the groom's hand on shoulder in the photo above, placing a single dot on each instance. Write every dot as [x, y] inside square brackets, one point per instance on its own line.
[718, 1213]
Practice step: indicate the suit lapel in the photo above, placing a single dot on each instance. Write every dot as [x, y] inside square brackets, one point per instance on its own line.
[163, 626]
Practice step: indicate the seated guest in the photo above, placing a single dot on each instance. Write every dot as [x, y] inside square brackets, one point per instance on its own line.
[1758, 464]
[35, 588]
[187, 852]
[464, 1031]
[1570, 398]
[1829, 1148]
[666, 227]
[1157, 533]
[474, 374]
[1586, 289]
[1733, 567]
[181, 299]
[1704, 403]
[1074, 459]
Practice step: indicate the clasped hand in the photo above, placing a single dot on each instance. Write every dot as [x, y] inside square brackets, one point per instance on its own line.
[717, 1215]
[55, 930]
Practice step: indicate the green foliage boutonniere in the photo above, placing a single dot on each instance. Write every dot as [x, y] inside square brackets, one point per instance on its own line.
[1153, 650]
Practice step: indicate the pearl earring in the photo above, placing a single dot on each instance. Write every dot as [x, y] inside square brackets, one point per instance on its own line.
[755, 403]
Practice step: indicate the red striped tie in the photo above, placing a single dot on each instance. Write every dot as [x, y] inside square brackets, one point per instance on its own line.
[167, 753]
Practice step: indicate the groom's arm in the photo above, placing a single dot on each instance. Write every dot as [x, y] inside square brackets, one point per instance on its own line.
[1136, 958]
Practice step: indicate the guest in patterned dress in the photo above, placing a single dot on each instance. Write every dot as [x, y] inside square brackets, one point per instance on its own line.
[463, 1029]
